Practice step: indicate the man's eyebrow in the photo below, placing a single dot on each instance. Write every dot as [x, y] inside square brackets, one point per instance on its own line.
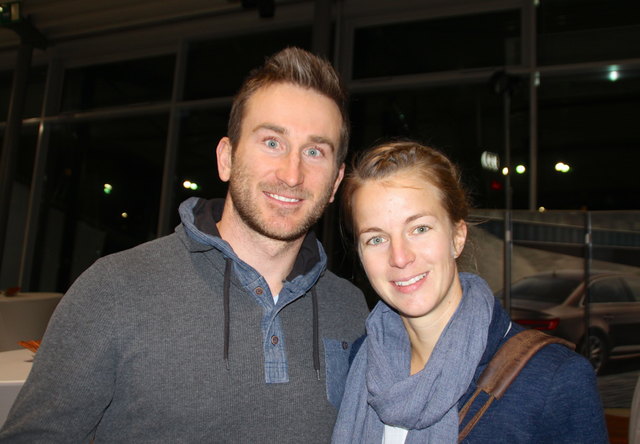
[322, 140]
[272, 127]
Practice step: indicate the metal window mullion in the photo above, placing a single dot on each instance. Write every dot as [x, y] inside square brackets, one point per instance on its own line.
[530, 51]
[173, 135]
[50, 106]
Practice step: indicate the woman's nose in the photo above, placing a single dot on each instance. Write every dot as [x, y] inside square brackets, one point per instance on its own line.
[400, 254]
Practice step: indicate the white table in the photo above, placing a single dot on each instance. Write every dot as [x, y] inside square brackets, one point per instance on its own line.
[24, 317]
[15, 366]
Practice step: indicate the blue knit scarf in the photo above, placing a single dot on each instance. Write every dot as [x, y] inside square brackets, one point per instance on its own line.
[381, 391]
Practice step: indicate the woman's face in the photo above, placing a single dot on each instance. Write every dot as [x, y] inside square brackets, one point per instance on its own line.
[408, 245]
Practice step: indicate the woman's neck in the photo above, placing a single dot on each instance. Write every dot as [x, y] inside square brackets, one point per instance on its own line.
[424, 332]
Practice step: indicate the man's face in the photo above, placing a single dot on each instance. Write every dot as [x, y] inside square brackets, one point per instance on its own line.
[283, 173]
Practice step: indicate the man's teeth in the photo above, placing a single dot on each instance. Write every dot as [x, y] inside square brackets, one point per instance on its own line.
[282, 198]
[413, 280]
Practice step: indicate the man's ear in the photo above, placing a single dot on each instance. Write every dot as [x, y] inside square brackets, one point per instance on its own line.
[336, 184]
[225, 157]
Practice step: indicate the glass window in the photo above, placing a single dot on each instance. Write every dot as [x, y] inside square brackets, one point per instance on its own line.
[217, 68]
[608, 290]
[6, 81]
[35, 91]
[634, 286]
[588, 128]
[196, 163]
[34, 94]
[101, 195]
[462, 120]
[17, 217]
[572, 31]
[544, 288]
[26, 154]
[121, 83]
[452, 43]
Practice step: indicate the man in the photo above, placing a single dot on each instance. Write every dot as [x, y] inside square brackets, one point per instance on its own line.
[230, 329]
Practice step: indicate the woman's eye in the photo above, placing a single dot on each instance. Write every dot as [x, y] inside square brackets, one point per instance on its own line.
[420, 230]
[375, 240]
[271, 143]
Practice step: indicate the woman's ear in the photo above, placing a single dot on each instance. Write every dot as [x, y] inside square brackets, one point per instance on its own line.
[459, 238]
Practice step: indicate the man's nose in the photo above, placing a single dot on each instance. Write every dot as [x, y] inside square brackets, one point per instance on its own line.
[290, 170]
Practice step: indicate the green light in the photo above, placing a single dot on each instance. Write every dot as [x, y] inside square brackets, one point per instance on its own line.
[520, 169]
[190, 185]
[107, 188]
[562, 167]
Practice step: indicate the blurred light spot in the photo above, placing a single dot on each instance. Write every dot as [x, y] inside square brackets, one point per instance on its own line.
[542, 209]
[489, 161]
[124, 215]
[520, 169]
[614, 75]
[562, 167]
[107, 188]
[190, 185]
[505, 171]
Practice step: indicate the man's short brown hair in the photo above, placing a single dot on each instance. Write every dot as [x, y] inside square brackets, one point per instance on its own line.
[300, 68]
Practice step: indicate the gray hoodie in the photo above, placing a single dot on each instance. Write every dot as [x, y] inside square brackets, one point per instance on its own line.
[143, 348]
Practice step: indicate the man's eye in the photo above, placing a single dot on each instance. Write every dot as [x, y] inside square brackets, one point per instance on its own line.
[271, 143]
[314, 152]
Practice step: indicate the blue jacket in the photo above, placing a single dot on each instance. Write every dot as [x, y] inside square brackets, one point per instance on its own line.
[555, 398]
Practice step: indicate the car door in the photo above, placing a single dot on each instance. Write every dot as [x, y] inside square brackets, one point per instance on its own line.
[632, 330]
[612, 303]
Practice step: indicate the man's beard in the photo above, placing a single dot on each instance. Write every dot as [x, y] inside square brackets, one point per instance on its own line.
[250, 213]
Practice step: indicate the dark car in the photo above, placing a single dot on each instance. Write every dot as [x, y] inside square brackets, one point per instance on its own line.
[554, 302]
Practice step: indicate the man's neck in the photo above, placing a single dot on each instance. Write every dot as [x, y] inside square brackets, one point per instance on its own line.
[272, 258]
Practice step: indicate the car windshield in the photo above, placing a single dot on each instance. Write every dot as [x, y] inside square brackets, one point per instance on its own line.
[547, 288]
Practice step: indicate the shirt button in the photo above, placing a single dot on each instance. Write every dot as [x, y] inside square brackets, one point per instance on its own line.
[274, 340]
[259, 291]
[345, 345]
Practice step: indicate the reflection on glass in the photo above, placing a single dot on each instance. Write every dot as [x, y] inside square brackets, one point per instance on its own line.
[589, 124]
[452, 43]
[216, 68]
[465, 121]
[96, 172]
[196, 163]
[121, 83]
[572, 31]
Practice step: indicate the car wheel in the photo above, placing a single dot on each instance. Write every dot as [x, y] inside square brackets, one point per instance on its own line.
[598, 351]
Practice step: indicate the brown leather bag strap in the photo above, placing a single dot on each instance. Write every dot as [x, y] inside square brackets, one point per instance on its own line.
[504, 368]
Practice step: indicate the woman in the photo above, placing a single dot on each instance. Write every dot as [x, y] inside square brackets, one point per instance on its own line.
[435, 329]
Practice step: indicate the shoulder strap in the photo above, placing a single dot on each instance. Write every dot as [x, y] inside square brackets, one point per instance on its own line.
[504, 367]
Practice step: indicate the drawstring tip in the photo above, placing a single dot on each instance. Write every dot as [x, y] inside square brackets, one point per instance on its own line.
[226, 363]
[318, 374]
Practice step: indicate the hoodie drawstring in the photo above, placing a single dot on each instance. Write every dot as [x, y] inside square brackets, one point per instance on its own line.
[225, 304]
[316, 333]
